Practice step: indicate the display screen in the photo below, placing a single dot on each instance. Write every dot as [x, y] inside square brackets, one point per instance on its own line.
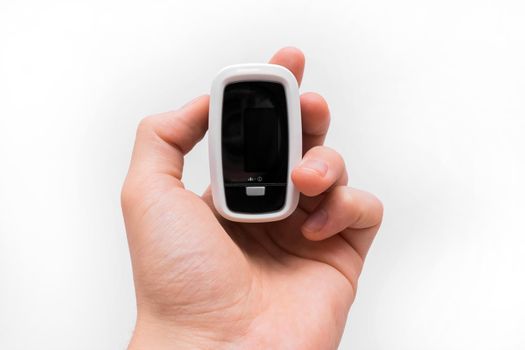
[261, 139]
[254, 144]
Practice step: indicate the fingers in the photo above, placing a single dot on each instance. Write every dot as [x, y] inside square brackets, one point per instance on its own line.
[314, 109]
[320, 169]
[346, 210]
[292, 59]
[315, 117]
[162, 140]
[322, 175]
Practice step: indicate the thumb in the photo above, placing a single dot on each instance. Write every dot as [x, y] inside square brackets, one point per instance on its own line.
[161, 142]
[171, 231]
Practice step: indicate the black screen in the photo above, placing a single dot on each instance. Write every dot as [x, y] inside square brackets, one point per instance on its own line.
[261, 141]
[254, 145]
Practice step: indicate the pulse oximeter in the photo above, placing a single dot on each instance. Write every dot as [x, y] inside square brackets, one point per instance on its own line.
[254, 142]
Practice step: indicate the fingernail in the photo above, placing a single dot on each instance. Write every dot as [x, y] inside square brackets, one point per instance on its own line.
[316, 221]
[319, 166]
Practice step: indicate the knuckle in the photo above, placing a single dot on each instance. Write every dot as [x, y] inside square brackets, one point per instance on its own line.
[147, 124]
[318, 99]
[325, 152]
[318, 108]
[339, 158]
[347, 199]
[363, 208]
[316, 150]
[379, 209]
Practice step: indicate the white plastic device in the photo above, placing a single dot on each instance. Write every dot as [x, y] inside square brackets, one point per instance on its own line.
[255, 141]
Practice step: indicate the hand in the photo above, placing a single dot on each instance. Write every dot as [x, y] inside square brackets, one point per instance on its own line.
[203, 282]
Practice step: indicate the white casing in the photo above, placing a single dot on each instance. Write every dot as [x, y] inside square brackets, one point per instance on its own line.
[254, 72]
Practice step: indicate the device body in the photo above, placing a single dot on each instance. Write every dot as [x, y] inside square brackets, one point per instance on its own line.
[254, 142]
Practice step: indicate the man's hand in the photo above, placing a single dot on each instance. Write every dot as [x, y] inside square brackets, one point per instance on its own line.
[203, 282]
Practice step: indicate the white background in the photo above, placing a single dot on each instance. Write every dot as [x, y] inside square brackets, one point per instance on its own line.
[428, 108]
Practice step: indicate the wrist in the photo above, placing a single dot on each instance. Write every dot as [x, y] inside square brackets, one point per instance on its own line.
[160, 335]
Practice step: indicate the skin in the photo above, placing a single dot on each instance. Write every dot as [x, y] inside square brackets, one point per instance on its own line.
[203, 282]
